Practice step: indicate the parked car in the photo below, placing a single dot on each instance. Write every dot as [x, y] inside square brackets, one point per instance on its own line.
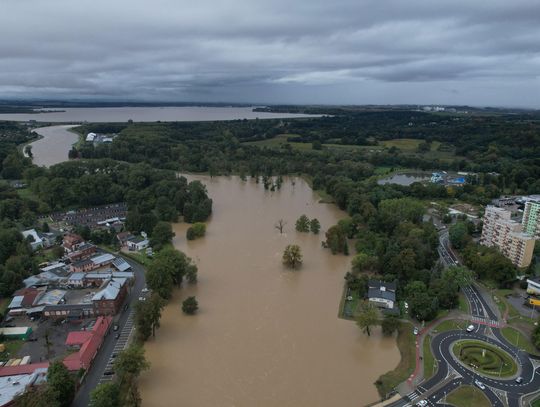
[480, 384]
[142, 299]
[470, 328]
[108, 372]
[145, 290]
[117, 336]
[115, 327]
[10, 325]
[519, 380]
[422, 403]
[415, 331]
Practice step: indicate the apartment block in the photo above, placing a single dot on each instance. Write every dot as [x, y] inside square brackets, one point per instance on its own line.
[508, 236]
[531, 218]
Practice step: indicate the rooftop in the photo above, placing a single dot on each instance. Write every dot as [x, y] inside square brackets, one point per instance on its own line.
[102, 258]
[110, 291]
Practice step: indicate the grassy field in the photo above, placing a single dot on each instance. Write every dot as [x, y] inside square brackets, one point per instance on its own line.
[468, 396]
[536, 403]
[429, 360]
[504, 305]
[407, 348]
[516, 338]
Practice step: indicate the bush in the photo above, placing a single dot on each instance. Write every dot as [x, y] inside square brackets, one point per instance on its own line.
[196, 230]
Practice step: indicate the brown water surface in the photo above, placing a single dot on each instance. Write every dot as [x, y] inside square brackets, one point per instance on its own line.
[54, 146]
[265, 336]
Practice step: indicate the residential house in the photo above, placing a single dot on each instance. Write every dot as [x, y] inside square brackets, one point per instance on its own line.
[137, 243]
[83, 251]
[123, 238]
[72, 242]
[87, 343]
[382, 294]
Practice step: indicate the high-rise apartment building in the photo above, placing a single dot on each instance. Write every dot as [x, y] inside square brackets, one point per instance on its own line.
[507, 235]
[531, 218]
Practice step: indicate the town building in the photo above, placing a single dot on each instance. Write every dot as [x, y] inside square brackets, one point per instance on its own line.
[16, 380]
[382, 294]
[533, 286]
[500, 231]
[83, 251]
[87, 344]
[110, 298]
[71, 242]
[531, 218]
[36, 242]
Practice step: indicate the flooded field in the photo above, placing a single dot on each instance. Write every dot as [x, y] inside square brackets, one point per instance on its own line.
[405, 179]
[265, 336]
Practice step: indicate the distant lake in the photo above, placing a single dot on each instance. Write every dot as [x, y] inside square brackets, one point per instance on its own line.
[147, 114]
[405, 179]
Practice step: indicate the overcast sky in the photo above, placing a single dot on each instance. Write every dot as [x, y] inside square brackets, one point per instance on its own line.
[477, 52]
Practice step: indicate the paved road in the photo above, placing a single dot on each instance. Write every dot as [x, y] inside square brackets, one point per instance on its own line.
[103, 360]
[486, 322]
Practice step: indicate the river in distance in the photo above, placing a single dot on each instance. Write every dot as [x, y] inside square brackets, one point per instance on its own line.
[146, 114]
[264, 335]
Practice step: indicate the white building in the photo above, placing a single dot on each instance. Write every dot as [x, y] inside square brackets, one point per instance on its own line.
[37, 242]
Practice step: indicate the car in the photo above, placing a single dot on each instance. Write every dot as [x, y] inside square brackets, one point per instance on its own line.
[9, 325]
[349, 298]
[480, 385]
[422, 403]
[142, 299]
[145, 290]
[470, 328]
[117, 336]
[114, 355]
[108, 372]
[519, 380]
[115, 327]
[415, 331]
[406, 305]
[32, 339]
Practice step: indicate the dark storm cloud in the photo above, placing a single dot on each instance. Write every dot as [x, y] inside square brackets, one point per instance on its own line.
[345, 51]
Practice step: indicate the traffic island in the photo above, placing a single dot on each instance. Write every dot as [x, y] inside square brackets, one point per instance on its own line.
[484, 358]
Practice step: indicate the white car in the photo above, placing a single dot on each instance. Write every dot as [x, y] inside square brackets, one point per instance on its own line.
[470, 328]
[480, 384]
[142, 299]
[406, 305]
[415, 331]
[422, 403]
[145, 290]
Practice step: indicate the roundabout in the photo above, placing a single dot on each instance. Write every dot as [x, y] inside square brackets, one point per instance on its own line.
[484, 358]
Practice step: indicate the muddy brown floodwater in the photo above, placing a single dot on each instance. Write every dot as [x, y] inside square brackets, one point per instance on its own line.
[264, 336]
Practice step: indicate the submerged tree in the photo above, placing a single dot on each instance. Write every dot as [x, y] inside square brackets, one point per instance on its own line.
[292, 256]
[302, 224]
[315, 225]
[190, 305]
[367, 318]
[280, 224]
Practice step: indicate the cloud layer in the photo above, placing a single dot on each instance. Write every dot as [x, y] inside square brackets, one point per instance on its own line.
[305, 51]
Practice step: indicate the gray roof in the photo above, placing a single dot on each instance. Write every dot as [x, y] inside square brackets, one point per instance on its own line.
[376, 293]
[378, 284]
[110, 291]
[121, 264]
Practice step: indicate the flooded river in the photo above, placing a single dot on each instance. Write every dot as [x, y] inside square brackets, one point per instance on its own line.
[53, 148]
[264, 336]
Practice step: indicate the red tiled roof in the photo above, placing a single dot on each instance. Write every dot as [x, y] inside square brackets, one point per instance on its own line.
[21, 369]
[89, 347]
[78, 337]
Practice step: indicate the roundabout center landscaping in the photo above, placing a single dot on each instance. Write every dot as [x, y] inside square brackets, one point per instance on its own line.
[484, 358]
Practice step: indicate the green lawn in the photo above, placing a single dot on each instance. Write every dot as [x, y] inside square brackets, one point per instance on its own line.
[407, 348]
[504, 305]
[404, 144]
[468, 396]
[463, 305]
[487, 359]
[430, 363]
[516, 338]
[278, 141]
[536, 403]
[450, 325]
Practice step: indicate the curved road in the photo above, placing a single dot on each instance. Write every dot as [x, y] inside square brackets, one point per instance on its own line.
[452, 374]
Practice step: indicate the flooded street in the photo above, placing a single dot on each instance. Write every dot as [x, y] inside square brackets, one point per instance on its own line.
[53, 148]
[265, 335]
